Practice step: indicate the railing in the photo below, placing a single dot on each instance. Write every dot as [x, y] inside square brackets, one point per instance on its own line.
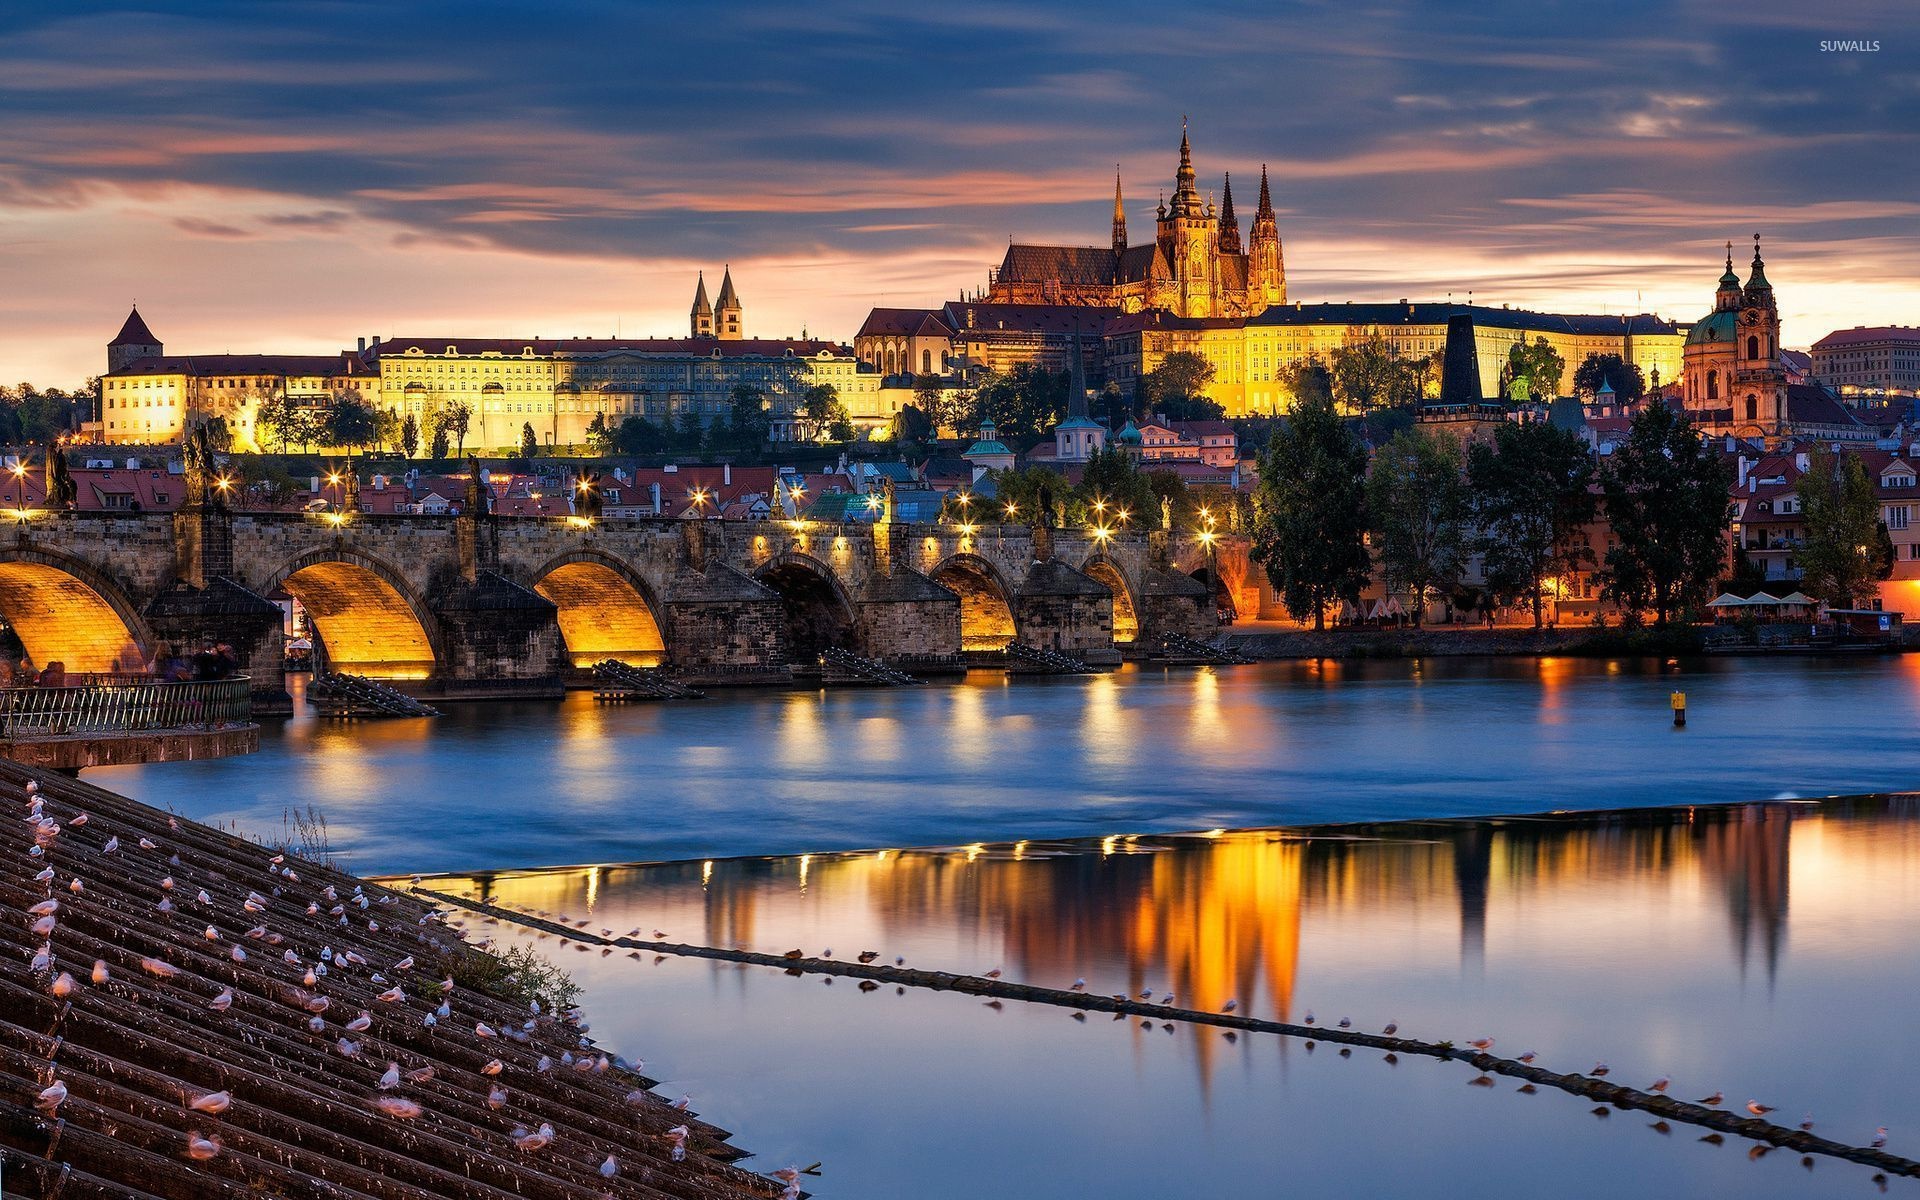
[30, 713]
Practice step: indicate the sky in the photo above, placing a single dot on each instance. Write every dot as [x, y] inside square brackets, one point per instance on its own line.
[291, 176]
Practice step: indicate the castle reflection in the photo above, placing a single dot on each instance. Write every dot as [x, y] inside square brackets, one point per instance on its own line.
[1233, 915]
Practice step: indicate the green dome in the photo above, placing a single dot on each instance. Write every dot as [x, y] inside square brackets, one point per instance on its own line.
[1130, 435]
[1714, 327]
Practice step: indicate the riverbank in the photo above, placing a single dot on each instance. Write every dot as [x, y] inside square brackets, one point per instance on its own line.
[1455, 642]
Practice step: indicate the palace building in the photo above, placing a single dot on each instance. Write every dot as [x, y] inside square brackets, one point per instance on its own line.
[556, 386]
[1195, 266]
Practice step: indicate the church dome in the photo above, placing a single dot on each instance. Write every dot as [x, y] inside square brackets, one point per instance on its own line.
[1129, 436]
[1714, 327]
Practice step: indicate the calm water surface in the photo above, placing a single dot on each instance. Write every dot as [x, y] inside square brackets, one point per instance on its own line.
[1764, 950]
[513, 785]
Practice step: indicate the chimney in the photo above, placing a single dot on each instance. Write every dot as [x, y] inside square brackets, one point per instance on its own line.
[1800, 460]
[1745, 466]
[726, 474]
[654, 488]
[362, 348]
[376, 341]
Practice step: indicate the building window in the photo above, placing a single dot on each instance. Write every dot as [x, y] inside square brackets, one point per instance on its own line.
[1753, 347]
[1753, 409]
[1713, 385]
[1897, 516]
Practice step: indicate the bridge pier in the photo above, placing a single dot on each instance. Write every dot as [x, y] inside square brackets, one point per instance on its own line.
[1058, 608]
[498, 639]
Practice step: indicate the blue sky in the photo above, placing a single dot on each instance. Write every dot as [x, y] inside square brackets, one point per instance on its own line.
[293, 175]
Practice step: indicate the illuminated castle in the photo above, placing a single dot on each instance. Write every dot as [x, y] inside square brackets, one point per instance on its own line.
[1194, 267]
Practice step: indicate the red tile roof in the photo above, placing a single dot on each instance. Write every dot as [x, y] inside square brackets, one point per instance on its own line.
[1868, 333]
[134, 332]
[904, 322]
[697, 347]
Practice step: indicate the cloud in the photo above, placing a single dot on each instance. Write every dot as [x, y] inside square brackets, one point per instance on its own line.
[872, 153]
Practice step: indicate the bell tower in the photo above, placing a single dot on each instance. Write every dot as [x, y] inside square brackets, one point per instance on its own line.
[1266, 268]
[1190, 237]
[701, 319]
[133, 343]
[1759, 375]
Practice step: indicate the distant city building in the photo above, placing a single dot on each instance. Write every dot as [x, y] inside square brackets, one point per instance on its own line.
[1195, 265]
[1883, 359]
[1735, 380]
[557, 386]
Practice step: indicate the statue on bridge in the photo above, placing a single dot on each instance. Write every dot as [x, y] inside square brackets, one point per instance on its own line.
[886, 500]
[1045, 515]
[62, 492]
[1166, 512]
[200, 469]
[479, 495]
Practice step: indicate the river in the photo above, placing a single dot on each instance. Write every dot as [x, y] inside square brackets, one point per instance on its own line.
[1174, 840]
[490, 786]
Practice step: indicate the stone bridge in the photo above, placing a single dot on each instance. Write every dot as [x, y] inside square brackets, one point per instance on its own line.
[476, 606]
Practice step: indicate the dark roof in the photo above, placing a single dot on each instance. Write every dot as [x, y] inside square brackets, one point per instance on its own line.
[703, 347]
[134, 332]
[304, 1116]
[1027, 318]
[1436, 313]
[1078, 266]
[202, 366]
[1810, 404]
[1865, 335]
[904, 322]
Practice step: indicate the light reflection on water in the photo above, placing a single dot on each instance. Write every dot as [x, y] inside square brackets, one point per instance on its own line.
[1763, 950]
[501, 785]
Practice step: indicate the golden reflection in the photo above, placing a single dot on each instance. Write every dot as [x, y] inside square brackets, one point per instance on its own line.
[1105, 737]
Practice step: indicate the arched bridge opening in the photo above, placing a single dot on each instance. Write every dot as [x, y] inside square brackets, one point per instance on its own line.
[1126, 618]
[68, 613]
[1222, 592]
[365, 623]
[986, 606]
[603, 615]
[818, 613]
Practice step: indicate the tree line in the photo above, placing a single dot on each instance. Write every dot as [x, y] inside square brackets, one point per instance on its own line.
[1325, 518]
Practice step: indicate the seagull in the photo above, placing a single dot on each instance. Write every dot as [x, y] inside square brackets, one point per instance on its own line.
[1758, 1109]
[994, 974]
[1528, 1057]
[681, 1104]
[199, 1148]
[398, 1106]
[213, 1102]
[52, 1097]
[99, 971]
[63, 986]
[348, 1048]
[1392, 1028]
[867, 956]
[1483, 1045]
[113, 843]
[1600, 1070]
[609, 1168]
[1079, 985]
[493, 1067]
[496, 1096]
[1806, 1123]
[1659, 1085]
[391, 1079]
[1309, 1017]
[1879, 1138]
[678, 1136]
[533, 1141]
[1229, 1006]
[361, 1023]
[1714, 1101]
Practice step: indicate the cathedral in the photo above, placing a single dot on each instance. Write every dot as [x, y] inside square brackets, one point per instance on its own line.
[1195, 266]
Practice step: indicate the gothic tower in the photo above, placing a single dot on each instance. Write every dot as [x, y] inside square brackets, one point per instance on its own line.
[1190, 237]
[134, 342]
[702, 316]
[1119, 217]
[728, 325]
[1229, 224]
[1266, 269]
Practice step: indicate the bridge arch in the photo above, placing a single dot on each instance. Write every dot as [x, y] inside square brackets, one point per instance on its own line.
[819, 611]
[369, 619]
[987, 620]
[1126, 610]
[66, 610]
[606, 609]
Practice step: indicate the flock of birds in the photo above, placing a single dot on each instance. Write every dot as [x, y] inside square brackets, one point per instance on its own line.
[1166, 1000]
[258, 938]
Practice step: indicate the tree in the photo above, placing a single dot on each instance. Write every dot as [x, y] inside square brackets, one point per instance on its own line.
[1307, 381]
[410, 436]
[749, 421]
[1628, 384]
[1024, 403]
[817, 405]
[276, 422]
[1368, 373]
[351, 422]
[438, 447]
[1666, 497]
[1538, 364]
[911, 426]
[637, 435]
[1309, 512]
[458, 417]
[1841, 553]
[386, 428]
[1021, 491]
[529, 442]
[1417, 509]
[1531, 494]
[1177, 384]
[1112, 484]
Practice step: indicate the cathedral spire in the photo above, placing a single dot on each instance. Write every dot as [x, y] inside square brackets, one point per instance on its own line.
[1119, 214]
[1266, 201]
[700, 320]
[1229, 224]
[1186, 196]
